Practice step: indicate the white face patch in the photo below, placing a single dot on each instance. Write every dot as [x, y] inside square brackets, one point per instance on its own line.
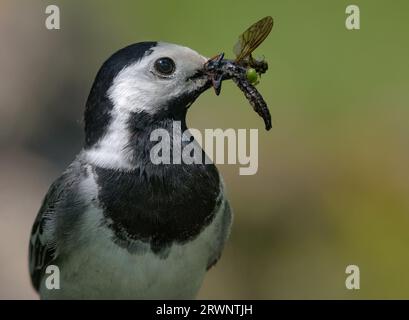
[139, 88]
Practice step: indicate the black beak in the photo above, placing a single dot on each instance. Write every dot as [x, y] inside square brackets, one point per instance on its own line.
[211, 68]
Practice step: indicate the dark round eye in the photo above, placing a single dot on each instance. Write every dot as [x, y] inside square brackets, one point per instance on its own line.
[165, 66]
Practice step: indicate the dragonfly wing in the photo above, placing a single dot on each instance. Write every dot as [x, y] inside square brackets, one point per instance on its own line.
[252, 38]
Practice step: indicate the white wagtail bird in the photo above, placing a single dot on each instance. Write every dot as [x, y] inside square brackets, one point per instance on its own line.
[116, 225]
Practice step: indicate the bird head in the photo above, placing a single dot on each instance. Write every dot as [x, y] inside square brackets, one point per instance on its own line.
[139, 88]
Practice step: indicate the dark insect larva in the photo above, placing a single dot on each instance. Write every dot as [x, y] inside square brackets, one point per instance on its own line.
[255, 99]
[222, 69]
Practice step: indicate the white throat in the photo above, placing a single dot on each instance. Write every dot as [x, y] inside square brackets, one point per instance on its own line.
[111, 151]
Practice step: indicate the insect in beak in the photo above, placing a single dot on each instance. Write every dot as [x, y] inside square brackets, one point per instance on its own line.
[244, 70]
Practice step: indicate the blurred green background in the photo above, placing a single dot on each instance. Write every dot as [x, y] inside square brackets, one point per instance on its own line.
[332, 188]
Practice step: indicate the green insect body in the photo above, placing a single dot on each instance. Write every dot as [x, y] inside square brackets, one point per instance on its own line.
[252, 76]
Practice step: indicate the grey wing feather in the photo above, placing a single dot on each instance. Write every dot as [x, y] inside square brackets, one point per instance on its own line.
[41, 251]
[58, 205]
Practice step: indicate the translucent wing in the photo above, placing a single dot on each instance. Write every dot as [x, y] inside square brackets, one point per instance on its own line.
[252, 37]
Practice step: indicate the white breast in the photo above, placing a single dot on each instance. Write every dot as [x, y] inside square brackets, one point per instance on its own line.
[99, 269]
